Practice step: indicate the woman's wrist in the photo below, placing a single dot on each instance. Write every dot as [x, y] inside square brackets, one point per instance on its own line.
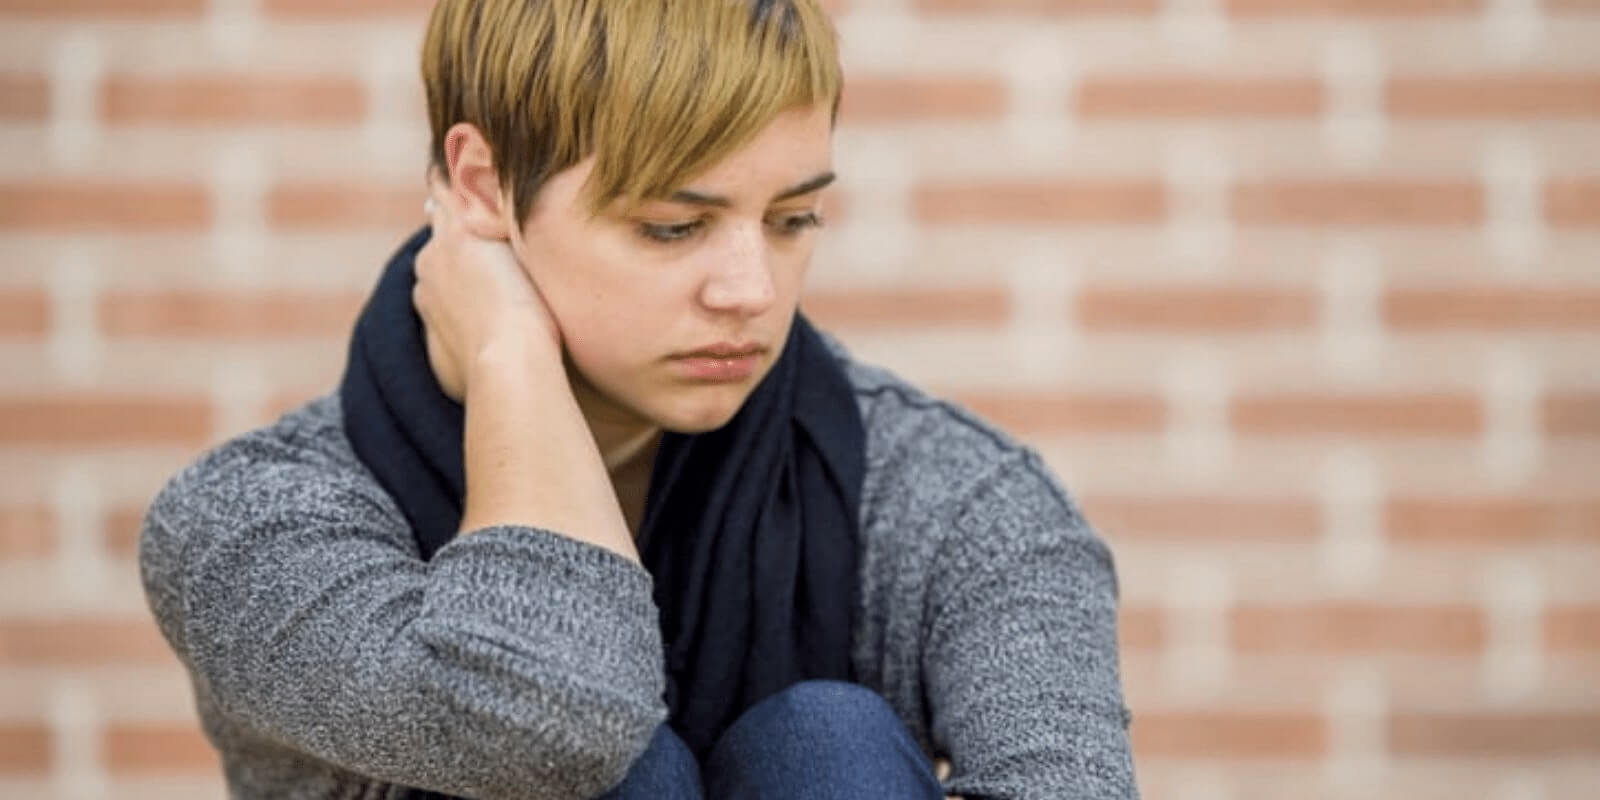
[511, 358]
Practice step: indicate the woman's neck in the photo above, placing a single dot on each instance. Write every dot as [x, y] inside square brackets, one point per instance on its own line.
[627, 446]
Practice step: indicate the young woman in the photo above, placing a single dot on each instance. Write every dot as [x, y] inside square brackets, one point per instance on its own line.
[595, 510]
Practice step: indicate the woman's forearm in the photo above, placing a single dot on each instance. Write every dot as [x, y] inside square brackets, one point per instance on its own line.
[530, 457]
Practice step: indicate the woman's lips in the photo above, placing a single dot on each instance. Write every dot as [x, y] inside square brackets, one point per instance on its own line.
[724, 361]
[707, 368]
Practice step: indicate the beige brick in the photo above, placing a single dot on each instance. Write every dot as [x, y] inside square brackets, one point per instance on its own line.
[1226, 735]
[82, 643]
[229, 315]
[873, 100]
[74, 206]
[232, 100]
[152, 748]
[1181, 309]
[1110, 97]
[91, 419]
[1413, 415]
[24, 98]
[1510, 735]
[1358, 628]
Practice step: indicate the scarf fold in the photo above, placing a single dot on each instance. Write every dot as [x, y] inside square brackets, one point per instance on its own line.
[749, 531]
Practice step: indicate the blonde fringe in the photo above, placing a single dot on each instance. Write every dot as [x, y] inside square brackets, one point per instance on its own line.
[657, 90]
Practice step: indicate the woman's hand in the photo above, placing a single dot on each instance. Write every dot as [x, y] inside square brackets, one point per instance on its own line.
[475, 299]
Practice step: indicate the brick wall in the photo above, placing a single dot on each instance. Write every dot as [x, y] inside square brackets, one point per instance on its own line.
[1301, 297]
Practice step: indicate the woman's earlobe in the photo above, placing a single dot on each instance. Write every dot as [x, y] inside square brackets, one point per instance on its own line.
[475, 182]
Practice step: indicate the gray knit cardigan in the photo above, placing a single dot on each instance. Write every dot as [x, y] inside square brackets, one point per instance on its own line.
[328, 660]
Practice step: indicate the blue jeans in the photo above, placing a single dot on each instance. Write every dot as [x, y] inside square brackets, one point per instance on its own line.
[817, 740]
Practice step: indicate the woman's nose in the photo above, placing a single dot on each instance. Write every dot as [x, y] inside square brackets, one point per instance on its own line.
[741, 277]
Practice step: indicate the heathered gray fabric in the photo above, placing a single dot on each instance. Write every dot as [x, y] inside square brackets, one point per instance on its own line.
[328, 660]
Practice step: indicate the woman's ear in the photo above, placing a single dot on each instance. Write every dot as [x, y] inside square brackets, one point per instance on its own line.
[474, 184]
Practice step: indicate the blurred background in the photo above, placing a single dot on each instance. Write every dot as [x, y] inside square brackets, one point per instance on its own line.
[1301, 298]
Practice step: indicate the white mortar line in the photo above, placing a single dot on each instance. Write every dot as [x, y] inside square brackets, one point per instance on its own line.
[1352, 328]
[1199, 223]
[75, 72]
[75, 724]
[80, 560]
[234, 28]
[1513, 657]
[238, 196]
[1512, 29]
[239, 392]
[75, 346]
[1196, 660]
[1196, 390]
[1513, 183]
[1512, 443]
[1354, 125]
[1352, 547]
[1196, 30]
[1356, 709]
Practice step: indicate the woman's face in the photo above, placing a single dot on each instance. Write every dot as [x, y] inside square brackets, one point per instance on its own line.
[715, 270]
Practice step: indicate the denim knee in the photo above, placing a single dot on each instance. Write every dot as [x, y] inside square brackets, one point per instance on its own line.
[825, 710]
[820, 739]
[665, 771]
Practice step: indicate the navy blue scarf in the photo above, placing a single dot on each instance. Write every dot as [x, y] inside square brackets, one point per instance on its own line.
[769, 501]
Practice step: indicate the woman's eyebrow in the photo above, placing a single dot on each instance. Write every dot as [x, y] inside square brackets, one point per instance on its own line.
[694, 198]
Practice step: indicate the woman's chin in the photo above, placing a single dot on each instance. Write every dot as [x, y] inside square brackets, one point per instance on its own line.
[692, 415]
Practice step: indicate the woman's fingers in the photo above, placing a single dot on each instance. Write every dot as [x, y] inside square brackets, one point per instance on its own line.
[440, 203]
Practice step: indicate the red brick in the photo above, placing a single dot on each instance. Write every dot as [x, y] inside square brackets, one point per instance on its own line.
[1228, 735]
[1111, 97]
[120, 531]
[1515, 522]
[1104, 202]
[1195, 309]
[1178, 518]
[229, 315]
[79, 643]
[24, 313]
[71, 206]
[1493, 308]
[235, 99]
[1352, 8]
[1040, 7]
[899, 308]
[1141, 629]
[1378, 203]
[1494, 96]
[1502, 736]
[879, 99]
[1572, 414]
[104, 8]
[24, 98]
[289, 399]
[1028, 413]
[1357, 628]
[154, 748]
[24, 748]
[1572, 628]
[347, 8]
[26, 532]
[339, 206]
[1368, 414]
[1572, 203]
[86, 419]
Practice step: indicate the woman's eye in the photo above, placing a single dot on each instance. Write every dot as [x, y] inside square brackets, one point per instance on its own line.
[669, 233]
[798, 223]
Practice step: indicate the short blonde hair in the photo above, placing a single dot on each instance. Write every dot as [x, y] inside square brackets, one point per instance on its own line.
[657, 90]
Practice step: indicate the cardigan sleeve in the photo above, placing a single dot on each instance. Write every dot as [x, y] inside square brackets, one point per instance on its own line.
[517, 663]
[1021, 655]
